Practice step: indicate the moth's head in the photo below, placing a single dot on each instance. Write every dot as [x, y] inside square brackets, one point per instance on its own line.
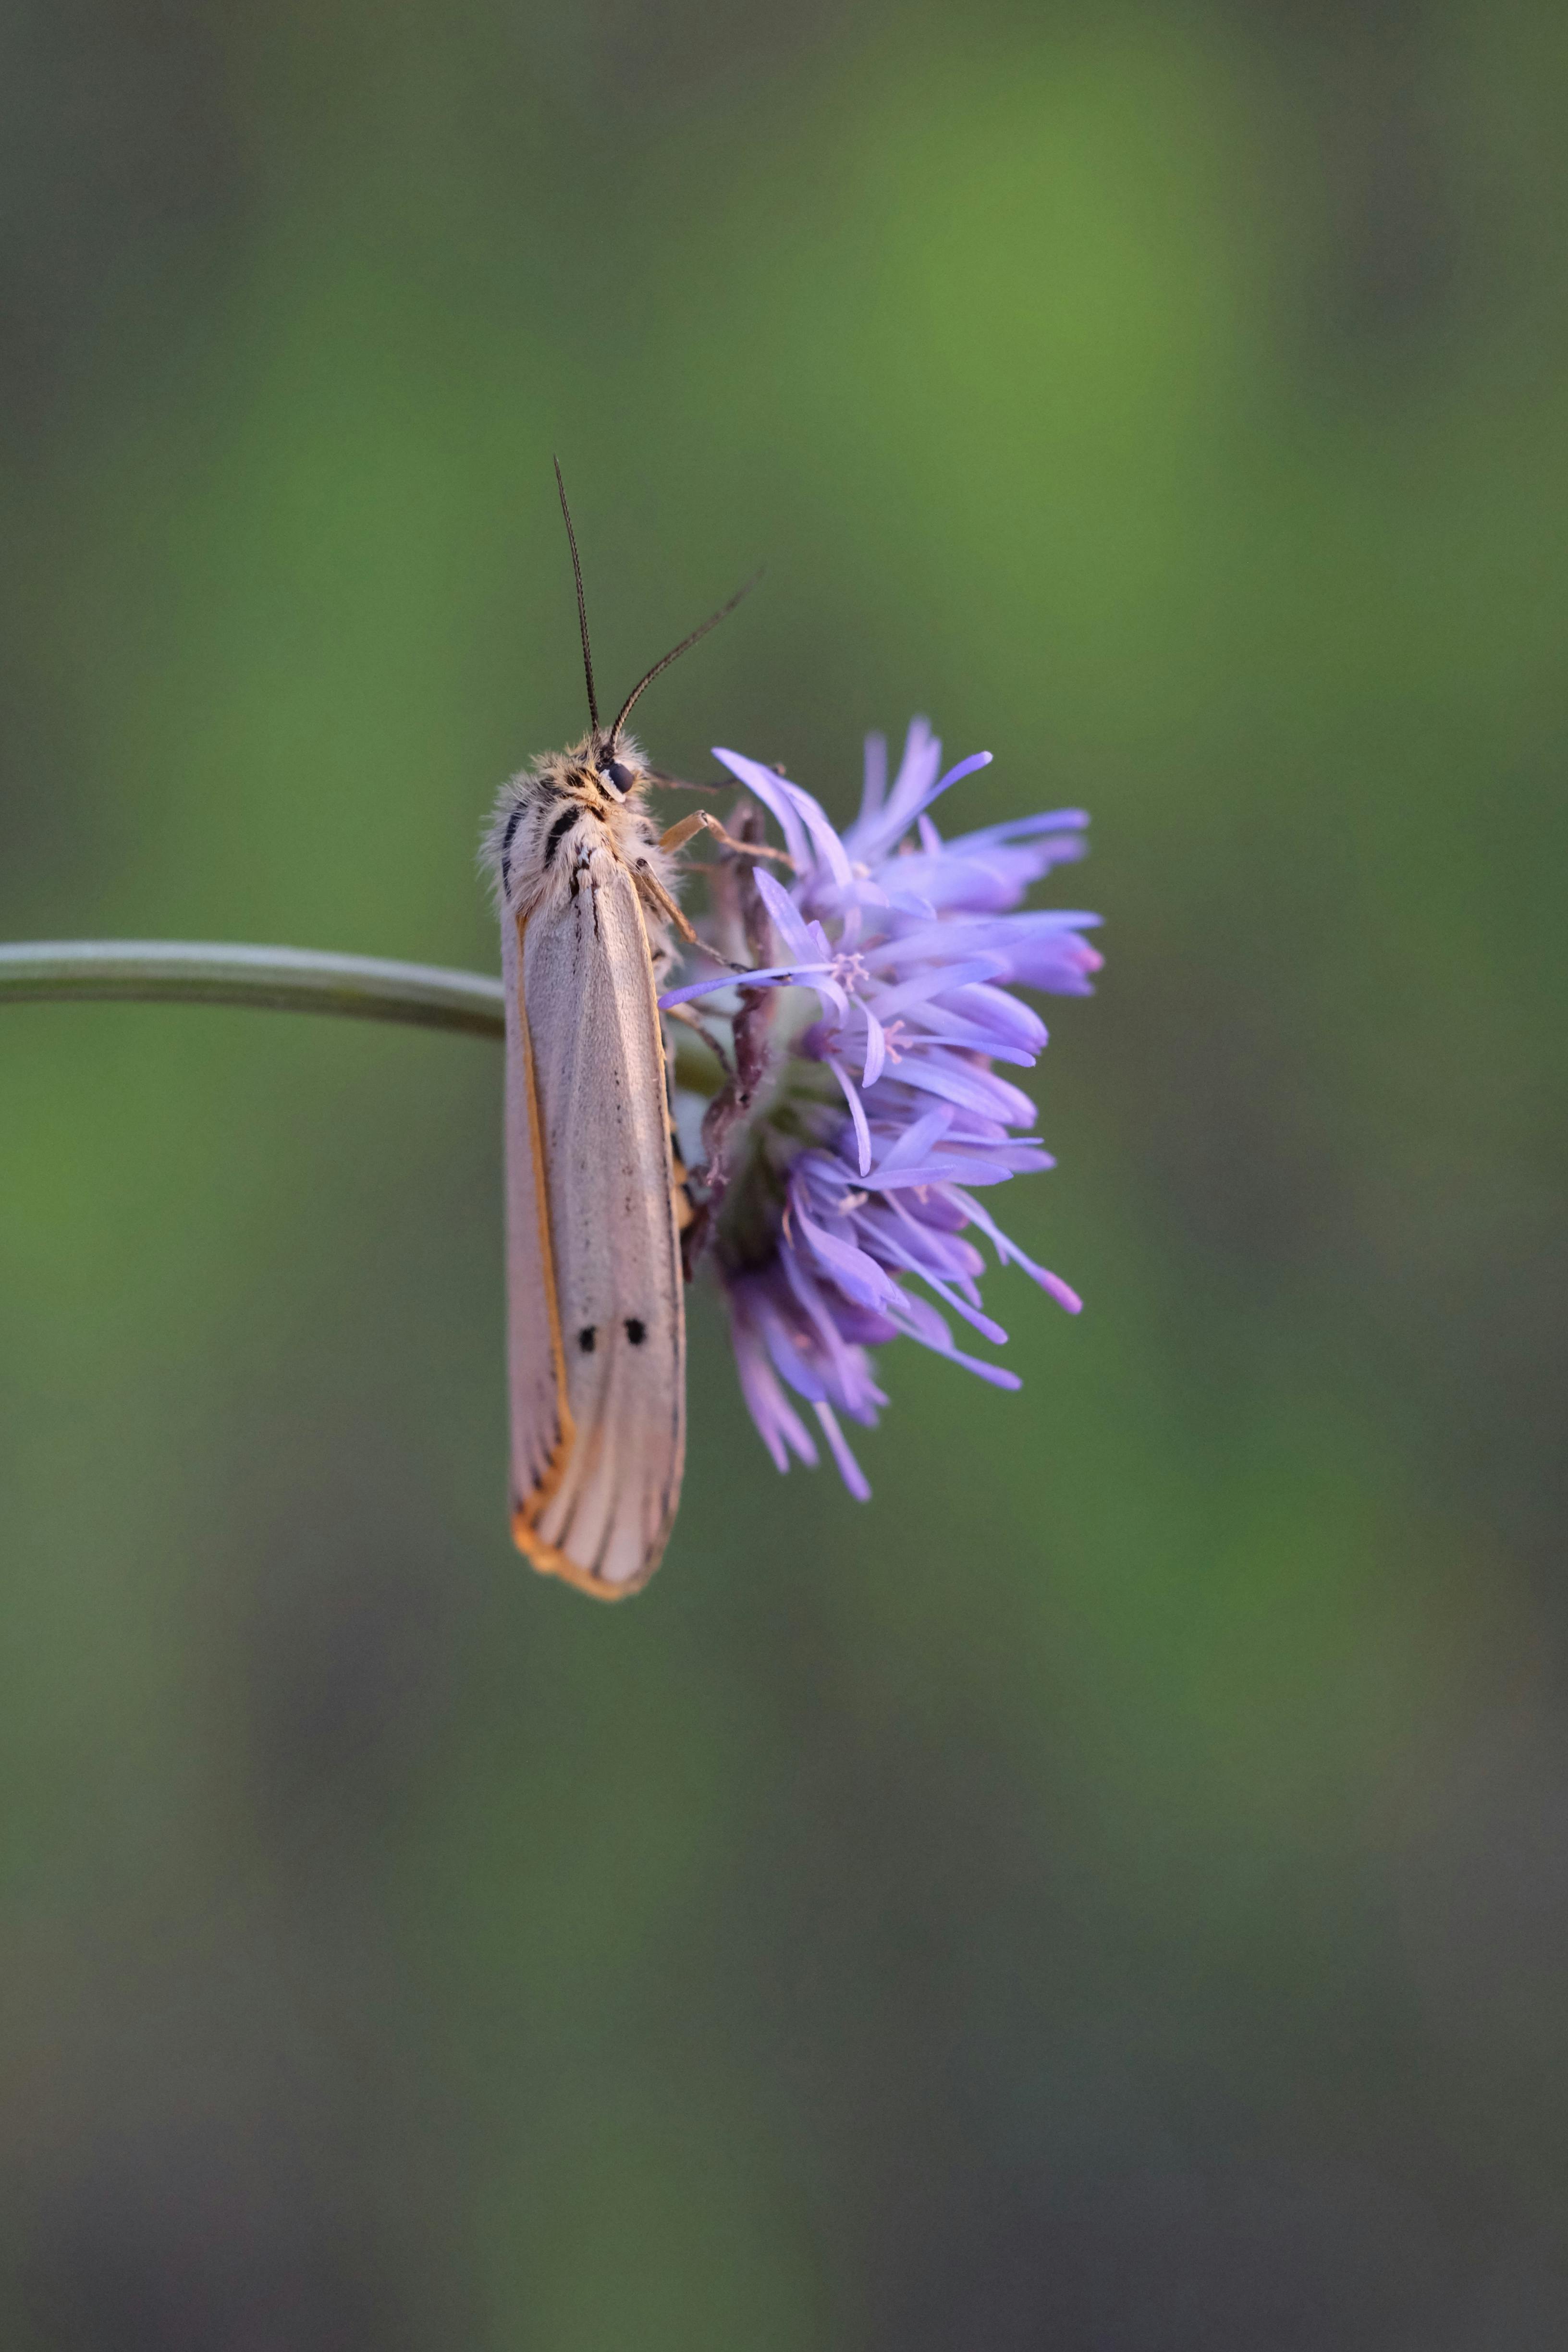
[616, 762]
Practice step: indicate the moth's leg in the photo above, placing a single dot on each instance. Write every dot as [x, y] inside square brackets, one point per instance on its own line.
[690, 827]
[679, 835]
[658, 897]
[749, 848]
[690, 1019]
[678, 784]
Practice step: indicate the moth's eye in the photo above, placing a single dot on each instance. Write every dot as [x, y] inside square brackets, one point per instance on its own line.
[621, 777]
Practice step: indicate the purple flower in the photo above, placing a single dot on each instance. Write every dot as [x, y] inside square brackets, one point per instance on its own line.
[840, 1151]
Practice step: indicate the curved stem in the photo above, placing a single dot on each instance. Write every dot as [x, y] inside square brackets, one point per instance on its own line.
[283, 979]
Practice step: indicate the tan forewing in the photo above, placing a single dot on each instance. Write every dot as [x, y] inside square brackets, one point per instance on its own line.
[597, 1313]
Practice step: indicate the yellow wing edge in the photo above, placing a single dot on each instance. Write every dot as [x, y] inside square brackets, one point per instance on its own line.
[549, 1561]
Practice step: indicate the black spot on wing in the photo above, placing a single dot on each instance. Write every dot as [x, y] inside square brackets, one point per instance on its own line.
[585, 1339]
[636, 1330]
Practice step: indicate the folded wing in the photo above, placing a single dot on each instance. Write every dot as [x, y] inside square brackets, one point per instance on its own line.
[596, 1312]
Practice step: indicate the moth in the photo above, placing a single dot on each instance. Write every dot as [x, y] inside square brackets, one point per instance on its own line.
[596, 1323]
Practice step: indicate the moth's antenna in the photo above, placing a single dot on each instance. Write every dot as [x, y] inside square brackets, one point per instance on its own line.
[582, 607]
[684, 646]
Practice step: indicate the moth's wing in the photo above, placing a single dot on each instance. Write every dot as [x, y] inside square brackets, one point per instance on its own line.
[598, 1332]
[542, 1428]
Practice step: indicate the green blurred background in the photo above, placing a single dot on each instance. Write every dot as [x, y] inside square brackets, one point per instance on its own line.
[1111, 1891]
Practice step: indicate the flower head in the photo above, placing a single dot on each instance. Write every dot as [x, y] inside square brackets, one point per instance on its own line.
[859, 1108]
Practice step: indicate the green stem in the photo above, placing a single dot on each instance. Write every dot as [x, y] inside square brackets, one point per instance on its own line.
[283, 979]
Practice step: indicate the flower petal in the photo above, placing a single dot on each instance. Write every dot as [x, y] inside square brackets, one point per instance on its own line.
[875, 786]
[856, 1112]
[765, 784]
[850, 1470]
[876, 1048]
